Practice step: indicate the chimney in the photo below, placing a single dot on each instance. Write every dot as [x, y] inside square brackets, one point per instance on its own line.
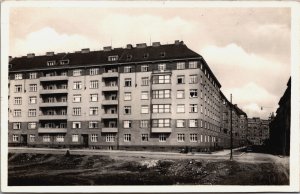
[10, 58]
[141, 45]
[156, 44]
[129, 46]
[85, 50]
[49, 53]
[177, 42]
[30, 55]
[107, 48]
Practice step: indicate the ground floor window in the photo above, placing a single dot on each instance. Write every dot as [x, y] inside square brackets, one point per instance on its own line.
[60, 138]
[74, 138]
[46, 138]
[17, 125]
[94, 137]
[145, 137]
[193, 137]
[32, 138]
[127, 137]
[110, 137]
[162, 137]
[180, 137]
[31, 125]
[15, 138]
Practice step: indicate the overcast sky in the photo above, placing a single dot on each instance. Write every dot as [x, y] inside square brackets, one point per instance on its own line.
[248, 49]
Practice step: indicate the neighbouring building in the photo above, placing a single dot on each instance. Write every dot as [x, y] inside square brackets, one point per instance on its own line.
[258, 131]
[280, 125]
[145, 97]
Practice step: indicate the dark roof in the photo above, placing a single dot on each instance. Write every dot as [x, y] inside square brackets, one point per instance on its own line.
[239, 111]
[172, 51]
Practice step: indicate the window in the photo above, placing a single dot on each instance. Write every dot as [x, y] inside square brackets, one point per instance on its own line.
[18, 76]
[161, 123]
[77, 85]
[144, 123]
[33, 75]
[193, 123]
[193, 108]
[94, 71]
[17, 125]
[145, 81]
[161, 67]
[113, 58]
[161, 94]
[127, 69]
[127, 110]
[180, 94]
[180, 123]
[193, 79]
[32, 87]
[32, 100]
[32, 138]
[201, 109]
[193, 137]
[110, 137]
[127, 96]
[94, 97]
[93, 110]
[18, 88]
[93, 124]
[64, 62]
[74, 137]
[76, 125]
[193, 93]
[77, 72]
[180, 108]
[180, 65]
[162, 137]
[161, 108]
[201, 138]
[94, 137]
[32, 112]
[127, 124]
[145, 109]
[193, 64]
[50, 63]
[127, 82]
[180, 79]
[144, 68]
[60, 138]
[18, 100]
[180, 137]
[46, 138]
[77, 111]
[77, 98]
[161, 79]
[127, 137]
[94, 84]
[145, 95]
[145, 137]
[17, 112]
[15, 138]
[31, 125]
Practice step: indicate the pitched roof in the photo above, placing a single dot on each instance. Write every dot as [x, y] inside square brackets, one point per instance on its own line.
[171, 51]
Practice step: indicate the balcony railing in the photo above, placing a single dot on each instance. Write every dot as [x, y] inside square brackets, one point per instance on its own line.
[54, 78]
[53, 117]
[110, 130]
[52, 104]
[110, 88]
[53, 91]
[52, 130]
[161, 130]
[110, 74]
[110, 102]
[110, 116]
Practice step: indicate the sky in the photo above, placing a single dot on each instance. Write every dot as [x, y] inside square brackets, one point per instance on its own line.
[248, 49]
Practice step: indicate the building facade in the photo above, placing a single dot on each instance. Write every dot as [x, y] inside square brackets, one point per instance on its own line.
[145, 97]
[258, 131]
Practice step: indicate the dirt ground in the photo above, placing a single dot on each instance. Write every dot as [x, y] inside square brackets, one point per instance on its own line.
[60, 169]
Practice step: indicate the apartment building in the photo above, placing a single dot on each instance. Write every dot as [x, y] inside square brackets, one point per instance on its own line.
[258, 130]
[144, 97]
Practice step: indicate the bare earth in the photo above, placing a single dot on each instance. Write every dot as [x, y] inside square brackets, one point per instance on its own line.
[82, 167]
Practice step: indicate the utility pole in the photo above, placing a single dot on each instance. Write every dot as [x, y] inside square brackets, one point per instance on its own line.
[231, 127]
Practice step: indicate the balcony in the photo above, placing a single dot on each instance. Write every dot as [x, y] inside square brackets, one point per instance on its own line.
[161, 130]
[109, 102]
[110, 88]
[110, 130]
[110, 74]
[53, 104]
[110, 116]
[52, 130]
[166, 71]
[54, 78]
[53, 91]
[53, 117]
[161, 86]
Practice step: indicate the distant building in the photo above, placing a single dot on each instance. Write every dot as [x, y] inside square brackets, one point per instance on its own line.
[280, 125]
[258, 131]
